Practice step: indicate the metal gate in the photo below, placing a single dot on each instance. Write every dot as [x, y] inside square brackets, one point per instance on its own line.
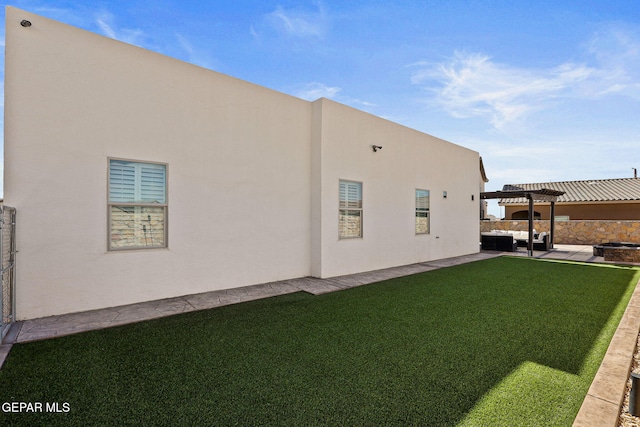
[8, 267]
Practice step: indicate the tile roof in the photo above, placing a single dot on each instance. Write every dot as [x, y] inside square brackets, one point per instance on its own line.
[594, 190]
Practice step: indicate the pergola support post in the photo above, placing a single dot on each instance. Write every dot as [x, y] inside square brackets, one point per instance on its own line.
[530, 240]
[552, 232]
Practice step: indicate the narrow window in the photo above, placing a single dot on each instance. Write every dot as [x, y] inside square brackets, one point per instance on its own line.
[137, 205]
[350, 223]
[422, 211]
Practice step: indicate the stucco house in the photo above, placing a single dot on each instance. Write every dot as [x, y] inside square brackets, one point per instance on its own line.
[596, 199]
[139, 177]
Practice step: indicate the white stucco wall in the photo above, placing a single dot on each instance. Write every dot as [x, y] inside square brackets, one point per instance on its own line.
[253, 176]
[238, 171]
[409, 160]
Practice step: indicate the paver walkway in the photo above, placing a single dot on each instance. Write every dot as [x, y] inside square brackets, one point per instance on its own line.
[54, 326]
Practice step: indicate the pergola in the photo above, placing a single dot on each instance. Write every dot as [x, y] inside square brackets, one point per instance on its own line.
[543, 194]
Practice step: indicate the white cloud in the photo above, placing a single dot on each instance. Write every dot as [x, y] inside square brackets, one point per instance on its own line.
[316, 90]
[360, 102]
[105, 22]
[194, 55]
[530, 151]
[254, 33]
[184, 43]
[524, 175]
[616, 49]
[106, 28]
[298, 22]
[473, 85]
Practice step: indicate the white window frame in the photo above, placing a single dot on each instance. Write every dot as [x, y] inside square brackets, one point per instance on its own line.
[349, 204]
[136, 200]
[422, 208]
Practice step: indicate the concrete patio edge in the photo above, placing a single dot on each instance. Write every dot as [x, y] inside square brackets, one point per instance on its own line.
[601, 407]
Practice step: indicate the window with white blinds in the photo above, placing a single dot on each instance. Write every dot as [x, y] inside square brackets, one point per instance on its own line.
[137, 205]
[422, 211]
[137, 182]
[350, 210]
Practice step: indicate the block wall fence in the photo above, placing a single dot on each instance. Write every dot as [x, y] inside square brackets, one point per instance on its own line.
[586, 232]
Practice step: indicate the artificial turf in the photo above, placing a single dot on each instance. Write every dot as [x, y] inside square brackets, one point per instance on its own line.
[506, 341]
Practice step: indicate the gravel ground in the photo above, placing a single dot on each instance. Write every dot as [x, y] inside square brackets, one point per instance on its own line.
[626, 419]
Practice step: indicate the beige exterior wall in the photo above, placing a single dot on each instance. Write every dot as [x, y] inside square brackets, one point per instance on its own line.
[409, 160]
[238, 171]
[582, 211]
[252, 176]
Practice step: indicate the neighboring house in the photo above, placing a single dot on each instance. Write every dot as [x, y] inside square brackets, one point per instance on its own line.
[138, 177]
[603, 199]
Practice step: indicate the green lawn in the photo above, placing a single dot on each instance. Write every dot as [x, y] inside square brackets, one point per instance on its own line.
[506, 341]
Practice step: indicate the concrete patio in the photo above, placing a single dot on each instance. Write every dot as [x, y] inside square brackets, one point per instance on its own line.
[582, 253]
[602, 393]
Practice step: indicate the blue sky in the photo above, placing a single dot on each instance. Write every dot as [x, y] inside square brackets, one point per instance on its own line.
[543, 90]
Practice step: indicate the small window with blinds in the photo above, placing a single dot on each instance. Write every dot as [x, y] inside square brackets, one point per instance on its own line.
[350, 215]
[137, 205]
[422, 211]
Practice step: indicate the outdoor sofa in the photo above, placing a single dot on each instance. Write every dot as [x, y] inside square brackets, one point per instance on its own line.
[519, 238]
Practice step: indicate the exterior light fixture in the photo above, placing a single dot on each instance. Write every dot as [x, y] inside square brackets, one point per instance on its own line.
[444, 194]
[473, 197]
[25, 23]
[376, 148]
